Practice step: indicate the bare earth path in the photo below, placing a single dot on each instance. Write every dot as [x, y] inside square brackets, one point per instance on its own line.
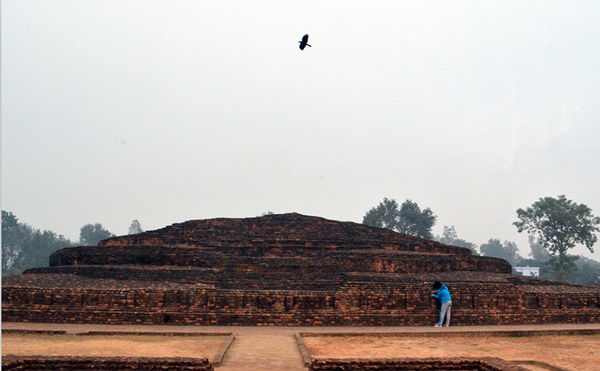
[272, 348]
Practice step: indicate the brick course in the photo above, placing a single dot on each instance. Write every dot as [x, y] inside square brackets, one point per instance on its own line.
[283, 270]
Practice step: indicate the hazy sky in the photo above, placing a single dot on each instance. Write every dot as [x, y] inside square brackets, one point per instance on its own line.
[166, 111]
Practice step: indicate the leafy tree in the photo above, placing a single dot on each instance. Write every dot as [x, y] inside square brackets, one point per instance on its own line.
[561, 267]
[559, 224]
[385, 215]
[24, 247]
[588, 271]
[409, 218]
[538, 251]
[585, 270]
[539, 257]
[507, 251]
[91, 234]
[415, 222]
[135, 227]
[450, 237]
[12, 234]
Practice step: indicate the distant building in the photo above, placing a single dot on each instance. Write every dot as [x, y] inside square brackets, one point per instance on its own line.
[528, 271]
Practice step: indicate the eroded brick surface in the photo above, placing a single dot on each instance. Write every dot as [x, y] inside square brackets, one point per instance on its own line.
[285, 269]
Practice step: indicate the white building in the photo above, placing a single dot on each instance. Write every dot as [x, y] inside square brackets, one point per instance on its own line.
[529, 271]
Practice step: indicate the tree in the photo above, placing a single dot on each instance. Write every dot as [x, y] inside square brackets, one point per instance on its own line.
[588, 271]
[559, 224]
[538, 251]
[385, 215]
[91, 234]
[450, 237]
[561, 267]
[507, 251]
[12, 235]
[539, 257]
[24, 247]
[409, 218]
[135, 227]
[415, 222]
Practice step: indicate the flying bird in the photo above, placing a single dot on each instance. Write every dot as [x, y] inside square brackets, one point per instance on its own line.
[304, 42]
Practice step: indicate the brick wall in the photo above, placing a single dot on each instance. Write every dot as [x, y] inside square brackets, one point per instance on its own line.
[458, 364]
[33, 363]
[411, 305]
[284, 270]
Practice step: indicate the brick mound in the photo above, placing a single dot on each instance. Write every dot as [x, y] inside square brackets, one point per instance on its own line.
[441, 364]
[287, 269]
[18, 363]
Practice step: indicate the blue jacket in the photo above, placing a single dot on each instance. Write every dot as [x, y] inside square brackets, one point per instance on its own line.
[443, 294]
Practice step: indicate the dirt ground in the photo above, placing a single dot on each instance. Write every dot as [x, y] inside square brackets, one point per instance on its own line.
[275, 348]
[581, 352]
[113, 345]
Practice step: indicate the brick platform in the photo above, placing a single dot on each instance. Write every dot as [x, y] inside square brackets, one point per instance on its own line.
[285, 269]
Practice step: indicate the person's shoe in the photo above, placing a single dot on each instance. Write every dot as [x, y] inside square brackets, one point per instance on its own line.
[437, 326]
[446, 325]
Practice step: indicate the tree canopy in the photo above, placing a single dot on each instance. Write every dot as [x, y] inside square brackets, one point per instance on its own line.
[385, 215]
[25, 247]
[409, 218]
[91, 234]
[538, 251]
[135, 227]
[560, 224]
[450, 237]
[507, 250]
[415, 221]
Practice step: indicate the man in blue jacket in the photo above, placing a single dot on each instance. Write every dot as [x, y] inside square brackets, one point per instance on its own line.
[443, 295]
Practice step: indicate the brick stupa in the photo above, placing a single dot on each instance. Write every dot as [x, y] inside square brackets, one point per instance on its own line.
[287, 269]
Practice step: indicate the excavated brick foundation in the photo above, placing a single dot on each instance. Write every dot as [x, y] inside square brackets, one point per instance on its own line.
[439, 364]
[33, 363]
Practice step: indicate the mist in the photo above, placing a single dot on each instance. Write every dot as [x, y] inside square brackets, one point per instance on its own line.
[169, 111]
